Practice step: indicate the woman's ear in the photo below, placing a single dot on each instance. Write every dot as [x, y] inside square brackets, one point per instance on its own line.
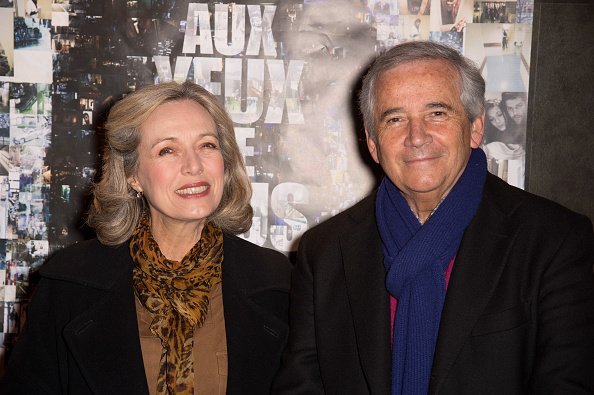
[133, 182]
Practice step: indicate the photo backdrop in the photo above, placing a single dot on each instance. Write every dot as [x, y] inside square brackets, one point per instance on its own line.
[286, 71]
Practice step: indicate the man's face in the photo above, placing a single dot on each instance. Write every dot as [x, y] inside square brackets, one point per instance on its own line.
[424, 136]
[516, 108]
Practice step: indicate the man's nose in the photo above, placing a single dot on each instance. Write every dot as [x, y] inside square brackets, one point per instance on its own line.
[417, 134]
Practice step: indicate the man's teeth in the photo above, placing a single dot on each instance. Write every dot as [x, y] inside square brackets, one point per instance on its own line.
[191, 191]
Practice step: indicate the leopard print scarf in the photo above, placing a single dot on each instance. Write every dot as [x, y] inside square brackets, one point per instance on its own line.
[177, 299]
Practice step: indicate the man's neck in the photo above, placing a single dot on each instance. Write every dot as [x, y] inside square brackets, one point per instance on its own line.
[423, 210]
[424, 204]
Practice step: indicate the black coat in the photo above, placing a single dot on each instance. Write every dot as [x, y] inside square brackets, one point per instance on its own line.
[81, 336]
[518, 316]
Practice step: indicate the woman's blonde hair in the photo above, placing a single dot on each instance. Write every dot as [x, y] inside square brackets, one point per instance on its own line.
[116, 209]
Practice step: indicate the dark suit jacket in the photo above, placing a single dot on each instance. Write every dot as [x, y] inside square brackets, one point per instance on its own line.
[81, 336]
[518, 316]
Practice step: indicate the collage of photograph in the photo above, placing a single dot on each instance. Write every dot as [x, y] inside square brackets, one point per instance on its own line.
[286, 71]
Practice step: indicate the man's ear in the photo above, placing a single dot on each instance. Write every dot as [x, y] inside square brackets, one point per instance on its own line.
[372, 147]
[477, 130]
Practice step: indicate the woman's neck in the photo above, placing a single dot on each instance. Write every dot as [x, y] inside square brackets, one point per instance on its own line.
[176, 240]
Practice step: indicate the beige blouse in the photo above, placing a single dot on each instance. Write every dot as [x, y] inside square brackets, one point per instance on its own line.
[210, 348]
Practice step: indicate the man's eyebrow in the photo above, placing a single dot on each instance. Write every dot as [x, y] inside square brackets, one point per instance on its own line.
[430, 106]
[391, 111]
[442, 105]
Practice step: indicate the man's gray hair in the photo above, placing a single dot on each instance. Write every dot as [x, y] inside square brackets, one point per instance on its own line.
[472, 84]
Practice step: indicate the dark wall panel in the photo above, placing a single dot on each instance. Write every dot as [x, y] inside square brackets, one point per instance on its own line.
[560, 162]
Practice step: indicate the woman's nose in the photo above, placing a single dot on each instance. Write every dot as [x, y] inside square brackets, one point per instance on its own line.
[192, 164]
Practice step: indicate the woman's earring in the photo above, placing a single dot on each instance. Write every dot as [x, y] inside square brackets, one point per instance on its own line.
[138, 194]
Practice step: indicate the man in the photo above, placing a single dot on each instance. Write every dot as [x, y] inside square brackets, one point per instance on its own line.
[515, 107]
[369, 308]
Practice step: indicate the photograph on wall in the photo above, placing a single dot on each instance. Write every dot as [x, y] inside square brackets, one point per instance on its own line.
[488, 11]
[7, 37]
[504, 142]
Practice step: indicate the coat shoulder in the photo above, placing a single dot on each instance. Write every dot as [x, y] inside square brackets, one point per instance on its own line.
[527, 208]
[360, 218]
[89, 263]
[265, 265]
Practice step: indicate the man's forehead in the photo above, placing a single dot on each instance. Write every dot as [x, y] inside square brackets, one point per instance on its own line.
[437, 64]
[436, 72]
[432, 70]
[515, 100]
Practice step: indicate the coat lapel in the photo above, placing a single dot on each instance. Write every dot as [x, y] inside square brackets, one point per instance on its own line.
[477, 269]
[365, 280]
[253, 334]
[105, 342]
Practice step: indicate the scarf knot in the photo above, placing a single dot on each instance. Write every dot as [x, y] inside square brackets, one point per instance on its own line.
[176, 296]
[416, 257]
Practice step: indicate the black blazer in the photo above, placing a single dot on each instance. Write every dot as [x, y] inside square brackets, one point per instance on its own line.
[518, 316]
[81, 336]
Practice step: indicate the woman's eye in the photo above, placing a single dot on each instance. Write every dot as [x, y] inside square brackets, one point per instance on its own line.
[165, 151]
[210, 145]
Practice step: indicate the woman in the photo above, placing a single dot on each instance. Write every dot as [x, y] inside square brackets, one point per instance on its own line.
[505, 156]
[167, 300]
[496, 122]
[499, 127]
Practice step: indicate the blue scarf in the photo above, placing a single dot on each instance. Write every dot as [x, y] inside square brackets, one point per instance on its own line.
[416, 257]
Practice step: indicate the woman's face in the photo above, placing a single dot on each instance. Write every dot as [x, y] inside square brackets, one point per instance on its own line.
[180, 164]
[496, 118]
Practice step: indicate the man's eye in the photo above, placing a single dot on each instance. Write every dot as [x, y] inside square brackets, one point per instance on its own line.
[394, 120]
[165, 151]
[438, 113]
